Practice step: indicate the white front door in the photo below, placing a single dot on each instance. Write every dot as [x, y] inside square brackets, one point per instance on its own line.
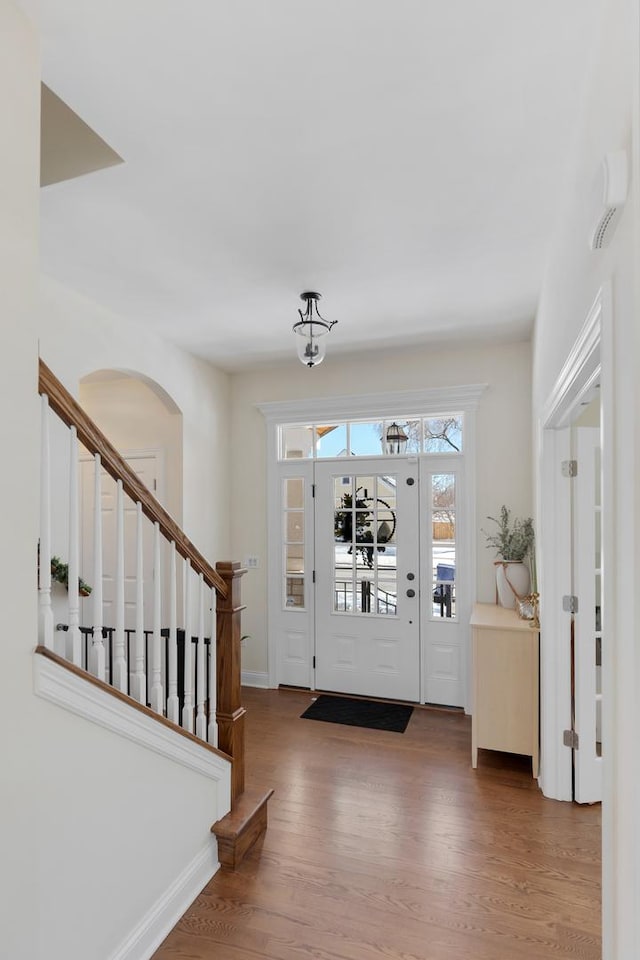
[587, 640]
[367, 603]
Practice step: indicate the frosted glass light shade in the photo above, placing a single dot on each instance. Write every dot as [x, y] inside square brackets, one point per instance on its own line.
[311, 348]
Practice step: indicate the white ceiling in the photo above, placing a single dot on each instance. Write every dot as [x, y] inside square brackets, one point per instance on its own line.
[403, 157]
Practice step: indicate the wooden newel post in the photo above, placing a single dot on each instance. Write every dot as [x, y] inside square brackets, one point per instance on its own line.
[229, 710]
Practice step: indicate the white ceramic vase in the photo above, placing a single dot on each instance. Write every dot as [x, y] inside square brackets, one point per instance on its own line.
[512, 577]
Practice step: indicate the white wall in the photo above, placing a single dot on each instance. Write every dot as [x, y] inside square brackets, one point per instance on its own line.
[78, 337]
[93, 780]
[116, 826]
[20, 788]
[573, 278]
[76, 872]
[503, 440]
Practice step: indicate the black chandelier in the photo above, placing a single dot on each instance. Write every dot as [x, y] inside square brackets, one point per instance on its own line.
[311, 329]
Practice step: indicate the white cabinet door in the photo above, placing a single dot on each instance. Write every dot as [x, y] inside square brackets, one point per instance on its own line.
[367, 578]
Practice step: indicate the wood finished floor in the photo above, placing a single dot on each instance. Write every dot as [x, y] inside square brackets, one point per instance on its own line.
[385, 845]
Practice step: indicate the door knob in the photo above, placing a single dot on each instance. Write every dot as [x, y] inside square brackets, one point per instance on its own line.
[411, 593]
[411, 576]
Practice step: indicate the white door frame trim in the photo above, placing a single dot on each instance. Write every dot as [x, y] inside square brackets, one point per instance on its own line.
[435, 400]
[581, 371]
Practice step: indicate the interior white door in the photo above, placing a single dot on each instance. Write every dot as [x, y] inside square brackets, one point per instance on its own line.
[367, 600]
[587, 646]
[146, 468]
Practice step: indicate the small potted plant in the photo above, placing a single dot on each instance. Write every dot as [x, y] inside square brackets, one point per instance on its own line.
[513, 542]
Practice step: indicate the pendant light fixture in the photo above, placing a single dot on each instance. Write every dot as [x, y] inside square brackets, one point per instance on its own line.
[311, 329]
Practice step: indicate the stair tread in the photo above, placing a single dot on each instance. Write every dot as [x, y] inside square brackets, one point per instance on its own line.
[243, 813]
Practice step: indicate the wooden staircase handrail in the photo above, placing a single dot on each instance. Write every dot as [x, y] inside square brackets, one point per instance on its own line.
[71, 413]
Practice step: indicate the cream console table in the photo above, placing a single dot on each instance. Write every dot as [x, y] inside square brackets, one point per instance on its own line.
[505, 683]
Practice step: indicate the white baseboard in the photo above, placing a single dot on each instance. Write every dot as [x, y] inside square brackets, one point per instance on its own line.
[250, 679]
[160, 919]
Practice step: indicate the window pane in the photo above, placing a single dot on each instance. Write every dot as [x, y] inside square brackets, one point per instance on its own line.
[443, 506]
[363, 526]
[343, 578]
[343, 486]
[413, 430]
[365, 488]
[294, 493]
[331, 441]
[295, 592]
[444, 587]
[294, 526]
[294, 575]
[443, 434]
[365, 439]
[294, 558]
[387, 597]
[296, 442]
[387, 489]
[365, 591]
[343, 526]
[443, 524]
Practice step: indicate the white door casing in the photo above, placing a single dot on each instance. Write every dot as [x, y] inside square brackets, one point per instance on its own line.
[284, 663]
[587, 572]
[589, 362]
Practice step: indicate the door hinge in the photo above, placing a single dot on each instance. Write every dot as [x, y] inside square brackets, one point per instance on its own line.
[155, 484]
[570, 603]
[569, 468]
[314, 663]
[571, 739]
[313, 490]
[313, 577]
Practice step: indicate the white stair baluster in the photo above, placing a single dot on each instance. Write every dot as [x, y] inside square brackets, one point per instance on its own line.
[97, 657]
[138, 677]
[212, 732]
[119, 679]
[201, 720]
[173, 704]
[157, 693]
[46, 610]
[74, 637]
[187, 709]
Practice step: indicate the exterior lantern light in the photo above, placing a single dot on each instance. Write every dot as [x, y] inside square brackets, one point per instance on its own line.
[396, 439]
[311, 329]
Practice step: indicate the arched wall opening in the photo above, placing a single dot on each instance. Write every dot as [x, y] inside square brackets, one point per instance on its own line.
[140, 418]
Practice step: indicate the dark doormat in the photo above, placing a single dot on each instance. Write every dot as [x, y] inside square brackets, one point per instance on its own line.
[360, 713]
